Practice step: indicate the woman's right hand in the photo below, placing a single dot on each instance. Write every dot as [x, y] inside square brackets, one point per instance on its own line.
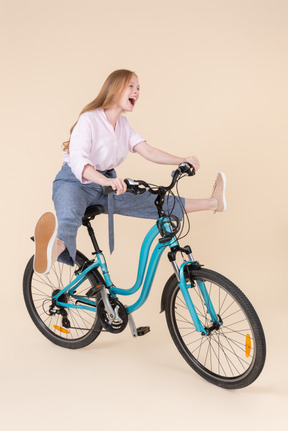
[117, 184]
[90, 174]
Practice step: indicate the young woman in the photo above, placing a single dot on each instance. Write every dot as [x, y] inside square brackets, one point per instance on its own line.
[99, 142]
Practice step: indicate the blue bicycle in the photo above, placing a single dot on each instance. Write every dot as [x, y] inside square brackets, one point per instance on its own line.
[212, 323]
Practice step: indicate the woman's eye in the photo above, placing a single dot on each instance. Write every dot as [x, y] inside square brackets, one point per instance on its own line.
[132, 86]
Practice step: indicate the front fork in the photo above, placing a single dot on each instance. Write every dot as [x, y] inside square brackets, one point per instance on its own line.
[187, 267]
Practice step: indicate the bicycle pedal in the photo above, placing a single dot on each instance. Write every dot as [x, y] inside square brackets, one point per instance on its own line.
[143, 330]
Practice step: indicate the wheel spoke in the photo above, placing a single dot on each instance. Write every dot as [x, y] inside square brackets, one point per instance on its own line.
[221, 356]
[38, 292]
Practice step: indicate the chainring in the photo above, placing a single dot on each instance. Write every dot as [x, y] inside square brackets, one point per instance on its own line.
[118, 325]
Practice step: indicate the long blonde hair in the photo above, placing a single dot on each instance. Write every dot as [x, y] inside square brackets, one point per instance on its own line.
[110, 93]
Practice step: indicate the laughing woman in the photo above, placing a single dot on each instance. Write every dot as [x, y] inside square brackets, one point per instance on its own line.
[99, 142]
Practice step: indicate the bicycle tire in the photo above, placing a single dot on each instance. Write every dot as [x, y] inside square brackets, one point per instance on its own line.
[37, 291]
[231, 357]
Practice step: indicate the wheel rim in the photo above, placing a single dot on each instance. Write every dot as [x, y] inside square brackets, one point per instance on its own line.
[228, 353]
[82, 322]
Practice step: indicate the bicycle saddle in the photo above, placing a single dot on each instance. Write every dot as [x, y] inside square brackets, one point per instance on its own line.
[92, 212]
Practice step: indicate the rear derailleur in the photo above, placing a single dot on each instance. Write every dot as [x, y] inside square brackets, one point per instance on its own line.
[55, 309]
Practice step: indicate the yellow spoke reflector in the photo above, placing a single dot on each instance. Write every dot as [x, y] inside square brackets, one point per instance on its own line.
[248, 345]
[60, 329]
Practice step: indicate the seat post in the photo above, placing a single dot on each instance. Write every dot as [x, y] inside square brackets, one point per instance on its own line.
[92, 236]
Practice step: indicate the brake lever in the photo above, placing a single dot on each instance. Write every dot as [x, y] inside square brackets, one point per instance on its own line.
[129, 182]
[133, 186]
[187, 169]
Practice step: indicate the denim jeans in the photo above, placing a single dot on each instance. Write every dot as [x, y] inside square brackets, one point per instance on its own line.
[71, 198]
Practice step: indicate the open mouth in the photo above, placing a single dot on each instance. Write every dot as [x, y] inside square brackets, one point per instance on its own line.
[132, 100]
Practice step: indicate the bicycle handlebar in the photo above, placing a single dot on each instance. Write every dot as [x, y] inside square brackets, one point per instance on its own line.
[138, 187]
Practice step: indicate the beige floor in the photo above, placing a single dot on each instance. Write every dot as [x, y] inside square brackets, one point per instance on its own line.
[124, 383]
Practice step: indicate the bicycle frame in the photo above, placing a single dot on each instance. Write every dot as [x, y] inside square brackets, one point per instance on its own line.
[141, 277]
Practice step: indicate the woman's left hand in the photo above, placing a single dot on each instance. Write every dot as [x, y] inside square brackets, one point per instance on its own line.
[193, 160]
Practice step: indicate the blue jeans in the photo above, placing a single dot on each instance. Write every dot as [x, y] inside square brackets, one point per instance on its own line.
[71, 198]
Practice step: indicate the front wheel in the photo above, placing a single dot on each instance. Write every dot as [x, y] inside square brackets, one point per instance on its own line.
[231, 356]
[72, 328]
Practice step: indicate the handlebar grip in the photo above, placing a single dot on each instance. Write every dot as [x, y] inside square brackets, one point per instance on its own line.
[107, 189]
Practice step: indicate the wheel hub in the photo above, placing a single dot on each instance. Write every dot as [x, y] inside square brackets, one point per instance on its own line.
[215, 327]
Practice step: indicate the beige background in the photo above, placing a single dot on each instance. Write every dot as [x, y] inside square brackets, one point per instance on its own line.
[213, 78]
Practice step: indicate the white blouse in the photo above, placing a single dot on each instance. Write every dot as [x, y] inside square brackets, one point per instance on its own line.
[94, 142]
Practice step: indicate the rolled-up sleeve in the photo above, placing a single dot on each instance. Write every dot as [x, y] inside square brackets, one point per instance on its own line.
[80, 147]
[134, 139]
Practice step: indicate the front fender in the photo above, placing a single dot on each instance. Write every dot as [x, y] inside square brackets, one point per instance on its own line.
[165, 291]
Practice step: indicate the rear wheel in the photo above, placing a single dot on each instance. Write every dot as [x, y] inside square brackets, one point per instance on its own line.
[66, 327]
[231, 356]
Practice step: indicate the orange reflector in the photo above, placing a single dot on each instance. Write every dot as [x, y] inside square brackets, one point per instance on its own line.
[248, 345]
[60, 329]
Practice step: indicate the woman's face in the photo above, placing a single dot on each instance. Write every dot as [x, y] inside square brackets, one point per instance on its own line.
[130, 95]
